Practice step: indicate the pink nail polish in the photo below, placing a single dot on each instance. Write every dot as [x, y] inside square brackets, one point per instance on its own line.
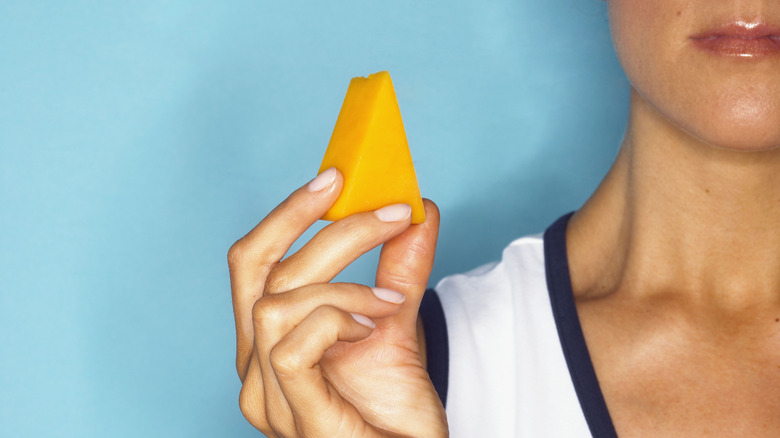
[366, 321]
[323, 180]
[388, 295]
[394, 213]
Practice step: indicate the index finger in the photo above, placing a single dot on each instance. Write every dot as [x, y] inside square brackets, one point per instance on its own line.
[254, 255]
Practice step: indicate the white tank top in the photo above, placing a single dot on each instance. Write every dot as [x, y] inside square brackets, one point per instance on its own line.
[506, 351]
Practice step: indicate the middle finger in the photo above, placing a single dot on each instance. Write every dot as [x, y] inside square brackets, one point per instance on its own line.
[336, 246]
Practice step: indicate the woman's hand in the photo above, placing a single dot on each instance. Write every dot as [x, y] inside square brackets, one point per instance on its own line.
[320, 359]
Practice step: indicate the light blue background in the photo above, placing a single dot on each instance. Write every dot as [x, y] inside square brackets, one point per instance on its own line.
[139, 139]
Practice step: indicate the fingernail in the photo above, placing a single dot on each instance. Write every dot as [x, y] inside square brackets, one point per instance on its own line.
[325, 179]
[394, 213]
[366, 321]
[388, 295]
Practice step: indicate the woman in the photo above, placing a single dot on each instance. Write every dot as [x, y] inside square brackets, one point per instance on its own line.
[664, 287]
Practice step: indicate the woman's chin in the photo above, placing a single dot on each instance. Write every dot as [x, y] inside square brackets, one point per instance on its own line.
[732, 118]
[761, 132]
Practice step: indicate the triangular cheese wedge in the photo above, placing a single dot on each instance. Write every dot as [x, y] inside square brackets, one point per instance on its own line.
[369, 147]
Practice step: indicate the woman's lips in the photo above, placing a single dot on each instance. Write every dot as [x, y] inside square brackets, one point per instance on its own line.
[740, 39]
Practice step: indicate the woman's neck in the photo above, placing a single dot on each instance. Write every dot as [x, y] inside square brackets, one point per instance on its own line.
[677, 216]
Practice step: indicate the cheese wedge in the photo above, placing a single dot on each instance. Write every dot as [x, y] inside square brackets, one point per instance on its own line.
[369, 148]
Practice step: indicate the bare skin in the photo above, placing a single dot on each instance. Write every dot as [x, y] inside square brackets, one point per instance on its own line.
[679, 296]
[308, 367]
[674, 263]
[674, 260]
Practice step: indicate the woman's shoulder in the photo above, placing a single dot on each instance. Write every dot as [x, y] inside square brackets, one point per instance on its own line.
[521, 268]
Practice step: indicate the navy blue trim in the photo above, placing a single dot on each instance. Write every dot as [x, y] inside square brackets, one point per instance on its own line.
[570, 332]
[436, 343]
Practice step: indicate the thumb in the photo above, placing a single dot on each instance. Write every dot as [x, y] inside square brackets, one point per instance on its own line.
[405, 264]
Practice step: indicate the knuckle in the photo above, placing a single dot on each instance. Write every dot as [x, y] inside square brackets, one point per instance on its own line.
[237, 253]
[266, 312]
[353, 290]
[252, 407]
[285, 362]
[402, 281]
[244, 252]
[419, 247]
[328, 314]
[332, 317]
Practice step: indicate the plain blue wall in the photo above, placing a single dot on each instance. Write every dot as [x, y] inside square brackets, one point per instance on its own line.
[138, 140]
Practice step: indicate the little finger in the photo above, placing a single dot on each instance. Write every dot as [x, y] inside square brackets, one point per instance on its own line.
[317, 408]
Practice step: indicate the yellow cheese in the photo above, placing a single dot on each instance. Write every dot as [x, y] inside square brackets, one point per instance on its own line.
[369, 148]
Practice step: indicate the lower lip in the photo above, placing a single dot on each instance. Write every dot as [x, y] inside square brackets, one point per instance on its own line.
[740, 47]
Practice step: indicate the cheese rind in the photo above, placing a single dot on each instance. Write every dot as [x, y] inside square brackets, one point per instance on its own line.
[369, 148]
